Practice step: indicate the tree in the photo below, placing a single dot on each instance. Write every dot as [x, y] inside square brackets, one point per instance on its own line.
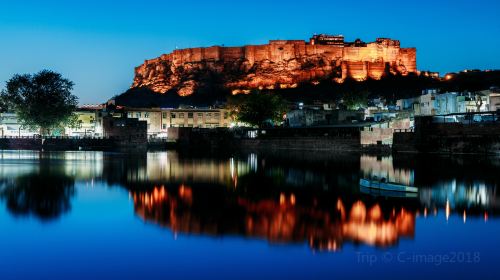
[355, 100]
[478, 99]
[257, 108]
[41, 101]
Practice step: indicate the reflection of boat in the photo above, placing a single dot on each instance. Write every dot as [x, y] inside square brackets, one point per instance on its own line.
[381, 185]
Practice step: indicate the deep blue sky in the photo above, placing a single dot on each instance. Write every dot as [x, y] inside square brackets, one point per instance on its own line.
[97, 44]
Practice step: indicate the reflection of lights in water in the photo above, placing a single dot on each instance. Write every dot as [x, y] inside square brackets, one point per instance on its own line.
[358, 211]
[340, 208]
[474, 194]
[252, 162]
[285, 221]
[485, 216]
[282, 199]
[186, 194]
[177, 169]
[375, 213]
[465, 217]
[447, 209]
[383, 168]
[376, 230]
[425, 212]
[231, 167]
[163, 159]
[234, 175]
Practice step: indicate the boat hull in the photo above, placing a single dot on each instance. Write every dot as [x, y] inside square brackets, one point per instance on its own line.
[391, 187]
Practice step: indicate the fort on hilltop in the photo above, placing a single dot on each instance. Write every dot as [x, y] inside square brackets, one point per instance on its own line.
[279, 64]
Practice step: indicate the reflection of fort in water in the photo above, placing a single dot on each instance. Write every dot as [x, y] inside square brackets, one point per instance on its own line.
[280, 219]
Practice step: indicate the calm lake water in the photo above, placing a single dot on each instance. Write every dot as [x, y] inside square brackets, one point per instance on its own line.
[94, 215]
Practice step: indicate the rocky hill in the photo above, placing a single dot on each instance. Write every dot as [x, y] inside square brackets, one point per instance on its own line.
[281, 64]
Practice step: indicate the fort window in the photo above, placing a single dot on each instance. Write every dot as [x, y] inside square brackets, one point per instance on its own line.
[181, 115]
[164, 115]
[190, 115]
[172, 115]
[137, 115]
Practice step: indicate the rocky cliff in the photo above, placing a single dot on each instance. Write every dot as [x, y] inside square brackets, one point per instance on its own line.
[279, 64]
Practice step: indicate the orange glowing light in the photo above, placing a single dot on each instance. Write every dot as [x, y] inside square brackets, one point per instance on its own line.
[186, 194]
[292, 199]
[375, 213]
[358, 212]
[447, 210]
[340, 207]
[282, 199]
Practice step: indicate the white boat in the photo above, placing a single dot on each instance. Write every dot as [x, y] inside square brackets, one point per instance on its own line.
[386, 186]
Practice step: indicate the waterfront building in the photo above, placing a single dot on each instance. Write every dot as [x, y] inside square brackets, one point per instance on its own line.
[408, 104]
[428, 104]
[317, 117]
[493, 98]
[10, 126]
[89, 123]
[151, 116]
[128, 131]
[200, 118]
[306, 117]
[446, 103]
[472, 102]
[159, 120]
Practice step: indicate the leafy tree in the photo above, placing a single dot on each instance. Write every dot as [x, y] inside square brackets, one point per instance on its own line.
[41, 101]
[257, 109]
[355, 100]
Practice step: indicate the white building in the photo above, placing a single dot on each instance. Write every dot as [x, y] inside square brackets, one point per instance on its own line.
[11, 127]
